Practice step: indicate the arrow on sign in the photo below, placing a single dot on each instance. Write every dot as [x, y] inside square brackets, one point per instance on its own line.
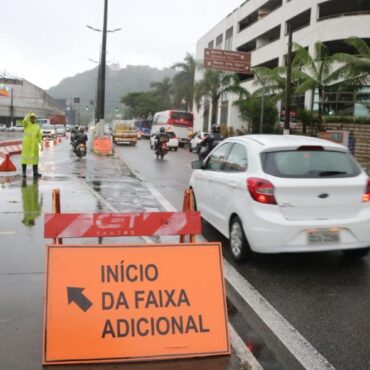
[75, 295]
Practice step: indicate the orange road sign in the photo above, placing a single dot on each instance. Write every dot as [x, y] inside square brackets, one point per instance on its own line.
[117, 303]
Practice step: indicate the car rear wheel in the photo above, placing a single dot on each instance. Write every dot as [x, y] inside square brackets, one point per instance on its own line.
[239, 246]
[357, 253]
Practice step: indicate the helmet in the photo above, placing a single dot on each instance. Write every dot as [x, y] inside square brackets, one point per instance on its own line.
[215, 128]
[82, 129]
[162, 129]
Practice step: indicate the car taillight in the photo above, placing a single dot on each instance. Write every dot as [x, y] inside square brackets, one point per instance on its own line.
[366, 196]
[261, 190]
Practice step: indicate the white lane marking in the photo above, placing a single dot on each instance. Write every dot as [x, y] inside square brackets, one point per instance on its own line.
[7, 233]
[244, 355]
[301, 349]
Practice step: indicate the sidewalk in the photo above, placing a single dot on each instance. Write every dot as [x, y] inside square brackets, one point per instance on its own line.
[94, 184]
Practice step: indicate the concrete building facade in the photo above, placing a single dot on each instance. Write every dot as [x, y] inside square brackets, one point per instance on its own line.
[20, 97]
[261, 28]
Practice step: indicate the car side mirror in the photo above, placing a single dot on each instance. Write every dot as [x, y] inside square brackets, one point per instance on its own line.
[197, 165]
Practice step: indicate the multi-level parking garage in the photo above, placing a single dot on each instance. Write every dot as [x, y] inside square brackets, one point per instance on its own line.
[261, 28]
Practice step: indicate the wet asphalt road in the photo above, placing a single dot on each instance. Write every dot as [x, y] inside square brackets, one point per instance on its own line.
[325, 296]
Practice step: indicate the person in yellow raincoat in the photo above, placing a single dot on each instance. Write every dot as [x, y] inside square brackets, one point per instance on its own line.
[31, 203]
[30, 147]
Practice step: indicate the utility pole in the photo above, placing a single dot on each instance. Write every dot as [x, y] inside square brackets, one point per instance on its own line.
[11, 107]
[101, 76]
[288, 86]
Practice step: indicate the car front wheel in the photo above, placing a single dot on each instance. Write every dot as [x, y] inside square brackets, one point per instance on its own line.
[239, 246]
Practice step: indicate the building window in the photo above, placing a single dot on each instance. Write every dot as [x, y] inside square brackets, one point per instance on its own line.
[219, 41]
[339, 8]
[338, 104]
[210, 44]
[299, 21]
[229, 39]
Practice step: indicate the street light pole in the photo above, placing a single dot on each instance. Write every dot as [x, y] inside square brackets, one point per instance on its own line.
[11, 106]
[100, 106]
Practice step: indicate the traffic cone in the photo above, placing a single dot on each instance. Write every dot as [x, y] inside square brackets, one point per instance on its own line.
[59, 139]
[55, 141]
[7, 164]
[47, 144]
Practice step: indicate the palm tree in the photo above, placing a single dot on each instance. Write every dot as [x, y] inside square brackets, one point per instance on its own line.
[272, 82]
[164, 89]
[213, 85]
[358, 64]
[184, 81]
[356, 67]
[320, 73]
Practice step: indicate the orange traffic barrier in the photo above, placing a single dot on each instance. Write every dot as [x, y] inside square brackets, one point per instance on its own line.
[46, 143]
[55, 141]
[103, 145]
[132, 302]
[188, 205]
[7, 165]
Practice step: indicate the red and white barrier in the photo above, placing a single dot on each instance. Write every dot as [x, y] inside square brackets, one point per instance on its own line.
[6, 149]
[11, 147]
[86, 225]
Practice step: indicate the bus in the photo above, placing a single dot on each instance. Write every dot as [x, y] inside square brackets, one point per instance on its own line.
[179, 122]
[144, 125]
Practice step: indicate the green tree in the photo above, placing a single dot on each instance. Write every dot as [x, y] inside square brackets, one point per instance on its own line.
[213, 85]
[164, 89]
[183, 82]
[143, 103]
[250, 111]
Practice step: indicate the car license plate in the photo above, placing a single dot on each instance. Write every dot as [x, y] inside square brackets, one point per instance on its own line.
[322, 236]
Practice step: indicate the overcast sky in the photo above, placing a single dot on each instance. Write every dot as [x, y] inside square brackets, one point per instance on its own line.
[45, 41]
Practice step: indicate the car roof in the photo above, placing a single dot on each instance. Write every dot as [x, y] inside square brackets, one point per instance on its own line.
[281, 142]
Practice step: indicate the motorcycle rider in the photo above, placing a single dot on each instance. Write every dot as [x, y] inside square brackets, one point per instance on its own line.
[210, 142]
[79, 138]
[161, 137]
[74, 131]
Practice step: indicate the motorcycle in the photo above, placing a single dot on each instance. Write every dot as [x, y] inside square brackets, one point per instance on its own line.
[81, 150]
[162, 150]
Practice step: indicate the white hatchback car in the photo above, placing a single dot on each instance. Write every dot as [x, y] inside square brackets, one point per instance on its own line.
[275, 194]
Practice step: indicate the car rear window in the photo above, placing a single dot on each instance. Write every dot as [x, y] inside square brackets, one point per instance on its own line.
[309, 164]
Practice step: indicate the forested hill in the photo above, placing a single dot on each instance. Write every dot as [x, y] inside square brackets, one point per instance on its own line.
[118, 83]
